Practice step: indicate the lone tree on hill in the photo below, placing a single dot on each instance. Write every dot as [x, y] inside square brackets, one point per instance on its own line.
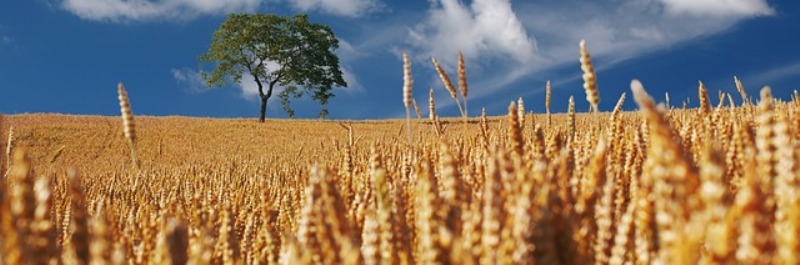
[275, 50]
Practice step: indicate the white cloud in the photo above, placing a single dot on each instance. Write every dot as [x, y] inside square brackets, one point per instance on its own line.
[346, 8]
[764, 78]
[504, 44]
[190, 80]
[140, 10]
[718, 7]
[249, 88]
[622, 30]
[248, 85]
[352, 81]
[347, 53]
[485, 29]
[144, 10]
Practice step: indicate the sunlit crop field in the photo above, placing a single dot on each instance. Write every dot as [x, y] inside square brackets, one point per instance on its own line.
[714, 185]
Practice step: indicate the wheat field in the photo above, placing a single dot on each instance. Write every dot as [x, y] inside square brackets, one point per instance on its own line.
[656, 186]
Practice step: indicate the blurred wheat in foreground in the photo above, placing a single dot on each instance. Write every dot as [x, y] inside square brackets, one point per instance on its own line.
[712, 185]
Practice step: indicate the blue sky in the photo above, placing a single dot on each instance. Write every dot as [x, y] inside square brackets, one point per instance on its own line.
[66, 56]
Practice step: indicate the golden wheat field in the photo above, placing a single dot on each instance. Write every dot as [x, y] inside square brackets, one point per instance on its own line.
[711, 185]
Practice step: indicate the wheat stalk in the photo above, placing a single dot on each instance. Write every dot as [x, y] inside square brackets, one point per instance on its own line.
[571, 114]
[437, 127]
[514, 129]
[702, 93]
[408, 97]
[128, 125]
[431, 106]
[521, 113]
[416, 108]
[742, 92]
[448, 85]
[79, 242]
[547, 102]
[675, 179]
[589, 78]
[3, 156]
[462, 80]
[9, 147]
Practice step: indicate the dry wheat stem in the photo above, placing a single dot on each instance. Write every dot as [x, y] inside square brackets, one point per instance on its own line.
[462, 81]
[742, 92]
[547, 102]
[128, 125]
[589, 78]
[448, 85]
[702, 93]
[408, 97]
[416, 108]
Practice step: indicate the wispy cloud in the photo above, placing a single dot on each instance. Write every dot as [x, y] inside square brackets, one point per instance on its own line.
[621, 30]
[514, 40]
[5, 39]
[345, 8]
[773, 75]
[718, 7]
[190, 81]
[148, 10]
[347, 55]
[145, 10]
[353, 85]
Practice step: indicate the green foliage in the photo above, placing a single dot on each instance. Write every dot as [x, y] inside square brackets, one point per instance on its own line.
[286, 95]
[290, 52]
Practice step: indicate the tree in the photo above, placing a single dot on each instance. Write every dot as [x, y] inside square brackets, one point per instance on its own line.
[275, 50]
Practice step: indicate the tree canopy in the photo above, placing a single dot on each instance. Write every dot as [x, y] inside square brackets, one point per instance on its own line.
[289, 52]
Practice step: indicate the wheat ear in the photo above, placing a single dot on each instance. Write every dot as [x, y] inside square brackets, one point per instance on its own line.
[547, 102]
[447, 84]
[9, 147]
[702, 94]
[431, 106]
[416, 108]
[521, 113]
[740, 88]
[432, 113]
[571, 113]
[128, 125]
[408, 96]
[514, 129]
[589, 78]
[462, 80]
[675, 180]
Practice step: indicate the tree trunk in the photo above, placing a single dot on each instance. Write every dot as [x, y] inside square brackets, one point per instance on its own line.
[264, 96]
[263, 116]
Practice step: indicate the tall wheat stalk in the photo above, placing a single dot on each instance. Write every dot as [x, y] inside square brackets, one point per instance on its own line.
[742, 92]
[589, 78]
[547, 102]
[408, 96]
[462, 81]
[128, 125]
[416, 108]
[448, 85]
[9, 148]
[702, 93]
[3, 156]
